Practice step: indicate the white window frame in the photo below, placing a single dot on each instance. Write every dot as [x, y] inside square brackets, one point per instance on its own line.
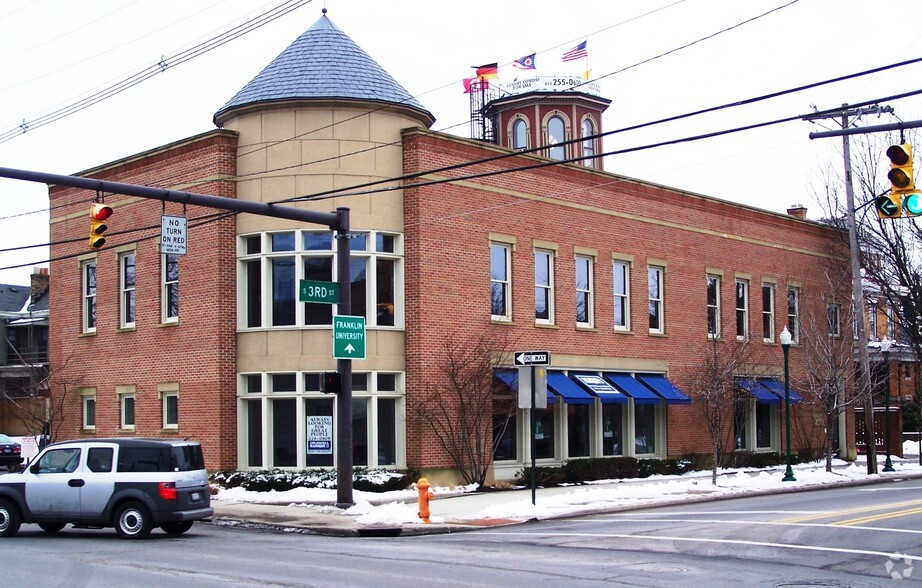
[768, 314]
[516, 122]
[166, 285]
[87, 397]
[742, 312]
[166, 393]
[88, 295]
[588, 145]
[505, 284]
[655, 275]
[794, 317]
[624, 268]
[126, 394]
[713, 306]
[547, 288]
[834, 319]
[585, 290]
[553, 147]
[127, 291]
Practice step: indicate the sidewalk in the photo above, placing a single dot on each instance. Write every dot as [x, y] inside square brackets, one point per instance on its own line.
[460, 512]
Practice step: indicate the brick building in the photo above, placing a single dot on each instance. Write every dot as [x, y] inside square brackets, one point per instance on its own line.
[625, 282]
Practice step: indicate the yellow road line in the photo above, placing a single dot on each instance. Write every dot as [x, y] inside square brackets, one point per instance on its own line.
[836, 513]
[879, 517]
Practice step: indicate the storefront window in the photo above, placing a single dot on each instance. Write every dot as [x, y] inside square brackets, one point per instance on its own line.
[544, 433]
[611, 429]
[578, 430]
[644, 429]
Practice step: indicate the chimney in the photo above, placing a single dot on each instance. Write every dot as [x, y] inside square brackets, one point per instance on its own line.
[798, 211]
[39, 283]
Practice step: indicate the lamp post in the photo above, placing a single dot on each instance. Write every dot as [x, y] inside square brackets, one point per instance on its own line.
[785, 339]
[885, 349]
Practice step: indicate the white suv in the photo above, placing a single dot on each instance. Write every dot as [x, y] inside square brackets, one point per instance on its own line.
[131, 484]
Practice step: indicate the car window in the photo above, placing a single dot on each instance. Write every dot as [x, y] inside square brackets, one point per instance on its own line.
[59, 461]
[99, 459]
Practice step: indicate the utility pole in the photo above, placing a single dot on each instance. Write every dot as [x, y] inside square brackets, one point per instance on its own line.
[864, 369]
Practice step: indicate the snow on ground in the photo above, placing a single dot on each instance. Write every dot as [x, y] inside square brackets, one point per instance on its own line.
[400, 507]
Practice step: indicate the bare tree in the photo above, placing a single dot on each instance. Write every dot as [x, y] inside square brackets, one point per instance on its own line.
[462, 407]
[716, 394]
[40, 412]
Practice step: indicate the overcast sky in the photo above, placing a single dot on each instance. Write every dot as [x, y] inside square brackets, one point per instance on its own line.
[56, 52]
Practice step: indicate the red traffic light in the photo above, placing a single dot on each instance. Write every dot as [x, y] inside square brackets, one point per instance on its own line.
[100, 212]
[98, 215]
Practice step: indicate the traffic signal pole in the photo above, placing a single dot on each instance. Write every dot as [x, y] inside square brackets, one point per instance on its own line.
[338, 222]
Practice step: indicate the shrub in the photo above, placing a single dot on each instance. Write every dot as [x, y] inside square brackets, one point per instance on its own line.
[378, 480]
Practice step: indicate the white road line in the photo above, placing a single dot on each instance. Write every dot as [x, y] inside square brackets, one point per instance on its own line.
[718, 541]
[752, 523]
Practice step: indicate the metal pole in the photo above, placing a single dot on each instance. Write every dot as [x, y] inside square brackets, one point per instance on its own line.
[534, 419]
[344, 367]
[888, 465]
[788, 472]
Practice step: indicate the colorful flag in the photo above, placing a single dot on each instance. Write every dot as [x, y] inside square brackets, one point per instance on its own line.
[487, 71]
[577, 52]
[484, 83]
[527, 62]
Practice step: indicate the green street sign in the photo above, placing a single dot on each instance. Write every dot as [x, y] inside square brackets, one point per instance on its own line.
[913, 203]
[349, 337]
[323, 292]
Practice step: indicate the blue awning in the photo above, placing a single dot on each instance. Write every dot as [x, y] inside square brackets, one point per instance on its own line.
[662, 386]
[777, 388]
[559, 383]
[597, 385]
[511, 379]
[758, 391]
[627, 384]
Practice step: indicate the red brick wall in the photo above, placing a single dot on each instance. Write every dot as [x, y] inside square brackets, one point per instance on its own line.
[200, 351]
[447, 268]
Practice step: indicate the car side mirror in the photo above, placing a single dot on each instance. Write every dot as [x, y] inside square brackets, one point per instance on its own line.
[34, 468]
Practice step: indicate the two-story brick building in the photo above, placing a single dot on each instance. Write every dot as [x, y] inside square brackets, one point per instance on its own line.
[620, 279]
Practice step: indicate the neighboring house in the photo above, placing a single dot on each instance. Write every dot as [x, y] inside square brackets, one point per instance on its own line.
[623, 281]
[24, 356]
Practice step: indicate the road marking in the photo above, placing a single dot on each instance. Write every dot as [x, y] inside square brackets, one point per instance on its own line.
[879, 517]
[834, 513]
[887, 555]
[750, 523]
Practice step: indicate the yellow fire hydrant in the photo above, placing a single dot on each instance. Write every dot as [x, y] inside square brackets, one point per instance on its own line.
[425, 495]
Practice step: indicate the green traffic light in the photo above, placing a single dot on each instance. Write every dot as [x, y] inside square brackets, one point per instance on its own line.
[913, 203]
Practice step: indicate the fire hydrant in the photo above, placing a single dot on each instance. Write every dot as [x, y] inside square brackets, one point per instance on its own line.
[425, 495]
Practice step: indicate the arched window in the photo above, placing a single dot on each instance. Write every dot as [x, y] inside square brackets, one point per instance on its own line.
[556, 134]
[520, 134]
[588, 144]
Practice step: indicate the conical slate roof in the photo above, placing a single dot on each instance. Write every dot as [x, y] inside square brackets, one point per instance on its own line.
[323, 63]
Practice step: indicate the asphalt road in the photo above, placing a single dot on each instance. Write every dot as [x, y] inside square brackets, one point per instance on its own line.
[836, 537]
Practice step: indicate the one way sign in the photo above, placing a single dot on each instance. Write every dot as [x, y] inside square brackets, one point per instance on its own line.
[532, 358]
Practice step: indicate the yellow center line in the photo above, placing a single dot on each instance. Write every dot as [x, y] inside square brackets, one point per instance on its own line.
[836, 513]
[879, 517]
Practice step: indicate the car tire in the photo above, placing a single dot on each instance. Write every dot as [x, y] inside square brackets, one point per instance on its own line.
[177, 528]
[51, 527]
[132, 521]
[10, 519]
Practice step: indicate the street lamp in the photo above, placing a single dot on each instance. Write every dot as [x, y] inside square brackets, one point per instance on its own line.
[785, 339]
[885, 349]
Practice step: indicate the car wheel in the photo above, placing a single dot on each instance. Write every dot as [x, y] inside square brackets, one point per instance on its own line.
[51, 527]
[177, 528]
[132, 521]
[10, 519]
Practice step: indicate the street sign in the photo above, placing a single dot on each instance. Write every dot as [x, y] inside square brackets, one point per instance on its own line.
[173, 235]
[526, 384]
[349, 337]
[532, 358]
[323, 292]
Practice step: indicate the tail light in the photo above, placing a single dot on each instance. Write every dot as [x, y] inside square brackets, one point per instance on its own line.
[167, 490]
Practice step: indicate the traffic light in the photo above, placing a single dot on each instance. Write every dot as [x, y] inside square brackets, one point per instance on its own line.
[900, 175]
[912, 204]
[888, 206]
[98, 215]
[331, 382]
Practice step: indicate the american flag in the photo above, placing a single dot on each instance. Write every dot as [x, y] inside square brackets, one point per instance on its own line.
[577, 52]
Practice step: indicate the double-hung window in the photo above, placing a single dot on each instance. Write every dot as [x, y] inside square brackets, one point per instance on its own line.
[588, 129]
[768, 313]
[127, 285]
[655, 298]
[742, 310]
[544, 286]
[88, 401]
[584, 289]
[556, 136]
[88, 274]
[833, 317]
[794, 313]
[500, 282]
[169, 292]
[126, 401]
[169, 402]
[713, 306]
[621, 292]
